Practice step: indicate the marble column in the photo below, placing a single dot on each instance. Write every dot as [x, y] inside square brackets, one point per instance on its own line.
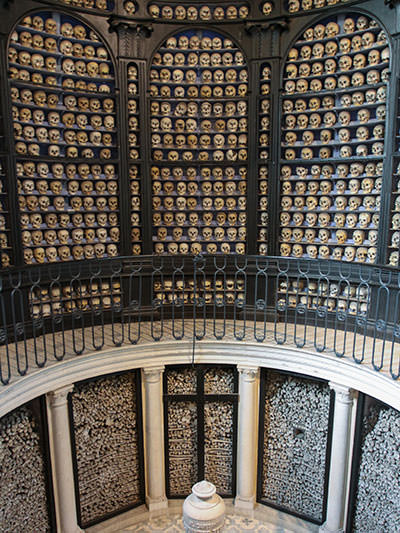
[339, 460]
[247, 436]
[63, 474]
[154, 438]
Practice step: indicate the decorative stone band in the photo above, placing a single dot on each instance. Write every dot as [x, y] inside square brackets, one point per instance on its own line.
[201, 526]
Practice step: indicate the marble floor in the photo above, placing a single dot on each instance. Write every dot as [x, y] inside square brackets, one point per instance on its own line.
[262, 519]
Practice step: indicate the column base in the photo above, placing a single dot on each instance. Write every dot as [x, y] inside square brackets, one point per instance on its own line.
[156, 505]
[244, 503]
[325, 529]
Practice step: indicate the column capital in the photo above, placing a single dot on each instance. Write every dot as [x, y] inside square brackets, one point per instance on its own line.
[59, 396]
[153, 374]
[249, 373]
[343, 394]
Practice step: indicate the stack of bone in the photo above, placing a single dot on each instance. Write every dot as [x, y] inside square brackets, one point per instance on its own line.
[107, 447]
[378, 494]
[219, 381]
[22, 480]
[218, 445]
[182, 447]
[296, 413]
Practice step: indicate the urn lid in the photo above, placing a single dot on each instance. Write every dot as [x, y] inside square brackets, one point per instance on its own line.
[204, 490]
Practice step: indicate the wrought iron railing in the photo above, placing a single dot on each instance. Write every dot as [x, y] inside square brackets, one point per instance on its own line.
[51, 312]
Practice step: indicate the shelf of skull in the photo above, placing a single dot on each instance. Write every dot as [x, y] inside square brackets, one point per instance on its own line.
[63, 105]
[300, 294]
[5, 245]
[263, 156]
[199, 145]
[334, 110]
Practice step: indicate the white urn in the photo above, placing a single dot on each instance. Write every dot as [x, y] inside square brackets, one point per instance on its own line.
[203, 510]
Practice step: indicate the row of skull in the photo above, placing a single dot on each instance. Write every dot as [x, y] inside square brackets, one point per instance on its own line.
[194, 109]
[68, 119]
[331, 49]
[196, 248]
[177, 75]
[42, 22]
[193, 91]
[343, 135]
[89, 187]
[333, 118]
[52, 254]
[207, 218]
[54, 150]
[341, 151]
[65, 220]
[203, 234]
[192, 13]
[219, 284]
[188, 155]
[43, 99]
[324, 236]
[63, 236]
[182, 203]
[355, 99]
[294, 6]
[197, 42]
[193, 141]
[191, 125]
[351, 220]
[64, 203]
[332, 29]
[345, 63]
[323, 288]
[336, 203]
[204, 172]
[68, 84]
[362, 254]
[205, 187]
[36, 42]
[71, 171]
[42, 135]
[103, 5]
[202, 59]
[342, 170]
[92, 288]
[330, 83]
[352, 186]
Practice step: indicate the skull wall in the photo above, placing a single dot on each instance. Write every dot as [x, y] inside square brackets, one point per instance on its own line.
[264, 157]
[377, 506]
[107, 446]
[333, 123]
[198, 85]
[200, 428]
[23, 491]
[62, 92]
[295, 428]
[5, 228]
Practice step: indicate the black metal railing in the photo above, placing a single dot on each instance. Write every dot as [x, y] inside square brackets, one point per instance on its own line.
[50, 312]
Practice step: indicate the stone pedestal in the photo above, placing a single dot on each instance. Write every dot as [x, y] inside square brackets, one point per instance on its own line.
[247, 437]
[154, 438]
[339, 460]
[203, 510]
[63, 475]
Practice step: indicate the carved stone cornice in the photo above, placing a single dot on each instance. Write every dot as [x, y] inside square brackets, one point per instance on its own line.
[139, 29]
[272, 25]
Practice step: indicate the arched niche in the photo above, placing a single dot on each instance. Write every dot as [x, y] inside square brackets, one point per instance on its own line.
[62, 89]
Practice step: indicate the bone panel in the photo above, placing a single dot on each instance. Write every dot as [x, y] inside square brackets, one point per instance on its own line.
[22, 475]
[296, 414]
[107, 451]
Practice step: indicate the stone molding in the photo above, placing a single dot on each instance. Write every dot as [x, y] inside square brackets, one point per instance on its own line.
[313, 364]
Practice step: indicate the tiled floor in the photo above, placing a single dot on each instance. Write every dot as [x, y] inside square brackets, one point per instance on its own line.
[262, 519]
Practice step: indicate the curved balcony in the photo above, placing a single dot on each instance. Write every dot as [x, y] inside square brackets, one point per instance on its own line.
[57, 312]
